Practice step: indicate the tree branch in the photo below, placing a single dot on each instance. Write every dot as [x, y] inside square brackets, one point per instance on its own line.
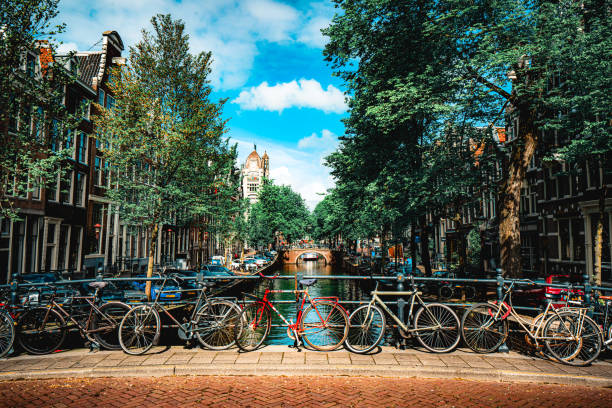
[488, 84]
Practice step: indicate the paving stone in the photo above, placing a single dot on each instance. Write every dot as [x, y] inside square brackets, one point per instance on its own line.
[294, 391]
[225, 358]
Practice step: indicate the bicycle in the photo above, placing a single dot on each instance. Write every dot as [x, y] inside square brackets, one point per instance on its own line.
[436, 326]
[569, 335]
[7, 326]
[42, 330]
[209, 321]
[323, 325]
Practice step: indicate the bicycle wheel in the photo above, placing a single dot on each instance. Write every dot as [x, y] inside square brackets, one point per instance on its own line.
[609, 345]
[215, 324]
[562, 330]
[366, 329]
[108, 321]
[470, 292]
[445, 292]
[324, 325]
[437, 328]
[482, 332]
[38, 335]
[7, 333]
[253, 326]
[139, 330]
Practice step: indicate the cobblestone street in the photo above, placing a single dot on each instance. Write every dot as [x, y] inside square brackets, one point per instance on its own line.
[293, 392]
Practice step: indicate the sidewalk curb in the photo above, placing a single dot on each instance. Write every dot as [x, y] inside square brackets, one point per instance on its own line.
[475, 374]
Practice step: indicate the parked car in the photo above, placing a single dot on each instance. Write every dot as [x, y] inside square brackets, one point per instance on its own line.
[217, 270]
[217, 260]
[250, 264]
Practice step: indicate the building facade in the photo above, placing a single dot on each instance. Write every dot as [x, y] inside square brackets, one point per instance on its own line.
[253, 172]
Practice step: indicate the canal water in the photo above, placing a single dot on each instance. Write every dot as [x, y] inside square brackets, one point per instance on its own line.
[343, 289]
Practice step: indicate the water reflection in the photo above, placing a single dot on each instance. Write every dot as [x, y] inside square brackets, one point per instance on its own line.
[343, 289]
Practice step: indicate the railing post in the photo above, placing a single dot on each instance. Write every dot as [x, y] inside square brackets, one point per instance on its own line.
[401, 303]
[588, 290]
[14, 292]
[500, 296]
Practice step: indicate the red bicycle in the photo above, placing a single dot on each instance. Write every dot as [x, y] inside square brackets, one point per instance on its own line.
[323, 325]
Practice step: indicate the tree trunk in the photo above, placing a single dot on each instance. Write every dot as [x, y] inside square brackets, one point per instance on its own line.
[510, 194]
[599, 234]
[425, 259]
[152, 246]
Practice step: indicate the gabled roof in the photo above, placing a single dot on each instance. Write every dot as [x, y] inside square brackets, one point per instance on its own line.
[89, 65]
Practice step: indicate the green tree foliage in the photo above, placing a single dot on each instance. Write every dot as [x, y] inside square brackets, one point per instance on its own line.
[279, 209]
[33, 120]
[428, 80]
[165, 140]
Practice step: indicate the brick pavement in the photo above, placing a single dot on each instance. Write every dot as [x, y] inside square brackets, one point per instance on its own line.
[281, 360]
[293, 392]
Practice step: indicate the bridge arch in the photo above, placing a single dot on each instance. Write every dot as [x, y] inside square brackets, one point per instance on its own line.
[292, 255]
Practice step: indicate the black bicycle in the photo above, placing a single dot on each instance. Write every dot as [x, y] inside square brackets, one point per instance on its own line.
[42, 330]
[211, 320]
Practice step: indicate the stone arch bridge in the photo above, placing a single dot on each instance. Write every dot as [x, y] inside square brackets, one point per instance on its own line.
[292, 255]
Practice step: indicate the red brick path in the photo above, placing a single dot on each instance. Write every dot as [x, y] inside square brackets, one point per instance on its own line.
[294, 392]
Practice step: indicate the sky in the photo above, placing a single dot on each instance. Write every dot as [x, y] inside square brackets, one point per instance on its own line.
[268, 62]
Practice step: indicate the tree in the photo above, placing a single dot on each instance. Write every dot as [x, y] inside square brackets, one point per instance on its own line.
[582, 98]
[164, 141]
[33, 119]
[279, 210]
[510, 52]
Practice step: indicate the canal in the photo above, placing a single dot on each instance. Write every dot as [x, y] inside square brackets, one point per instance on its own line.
[343, 289]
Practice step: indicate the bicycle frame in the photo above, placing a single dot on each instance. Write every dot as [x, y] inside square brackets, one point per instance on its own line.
[83, 329]
[414, 298]
[534, 330]
[303, 294]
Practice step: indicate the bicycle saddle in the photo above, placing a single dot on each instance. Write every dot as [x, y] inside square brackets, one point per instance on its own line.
[307, 282]
[98, 285]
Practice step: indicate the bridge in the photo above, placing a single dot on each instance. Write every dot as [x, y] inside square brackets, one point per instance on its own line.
[293, 255]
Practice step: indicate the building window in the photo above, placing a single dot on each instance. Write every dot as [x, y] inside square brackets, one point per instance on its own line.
[82, 152]
[35, 187]
[66, 188]
[51, 245]
[34, 231]
[593, 173]
[552, 231]
[74, 259]
[52, 189]
[81, 179]
[252, 187]
[578, 238]
[84, 107]
[564, 240]
[64, 241]
[101, 97]
[110, 102]
[30, 65]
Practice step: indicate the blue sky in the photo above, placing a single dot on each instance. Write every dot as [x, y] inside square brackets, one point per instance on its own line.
[268, 62]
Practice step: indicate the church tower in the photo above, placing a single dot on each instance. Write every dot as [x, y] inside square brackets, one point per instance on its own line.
[254, 170]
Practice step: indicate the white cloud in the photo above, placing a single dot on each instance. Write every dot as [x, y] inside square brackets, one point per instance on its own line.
[65, 48]
[297, 168]
[231, 29]
[327, 141]
[311, 32]
[305, 93]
